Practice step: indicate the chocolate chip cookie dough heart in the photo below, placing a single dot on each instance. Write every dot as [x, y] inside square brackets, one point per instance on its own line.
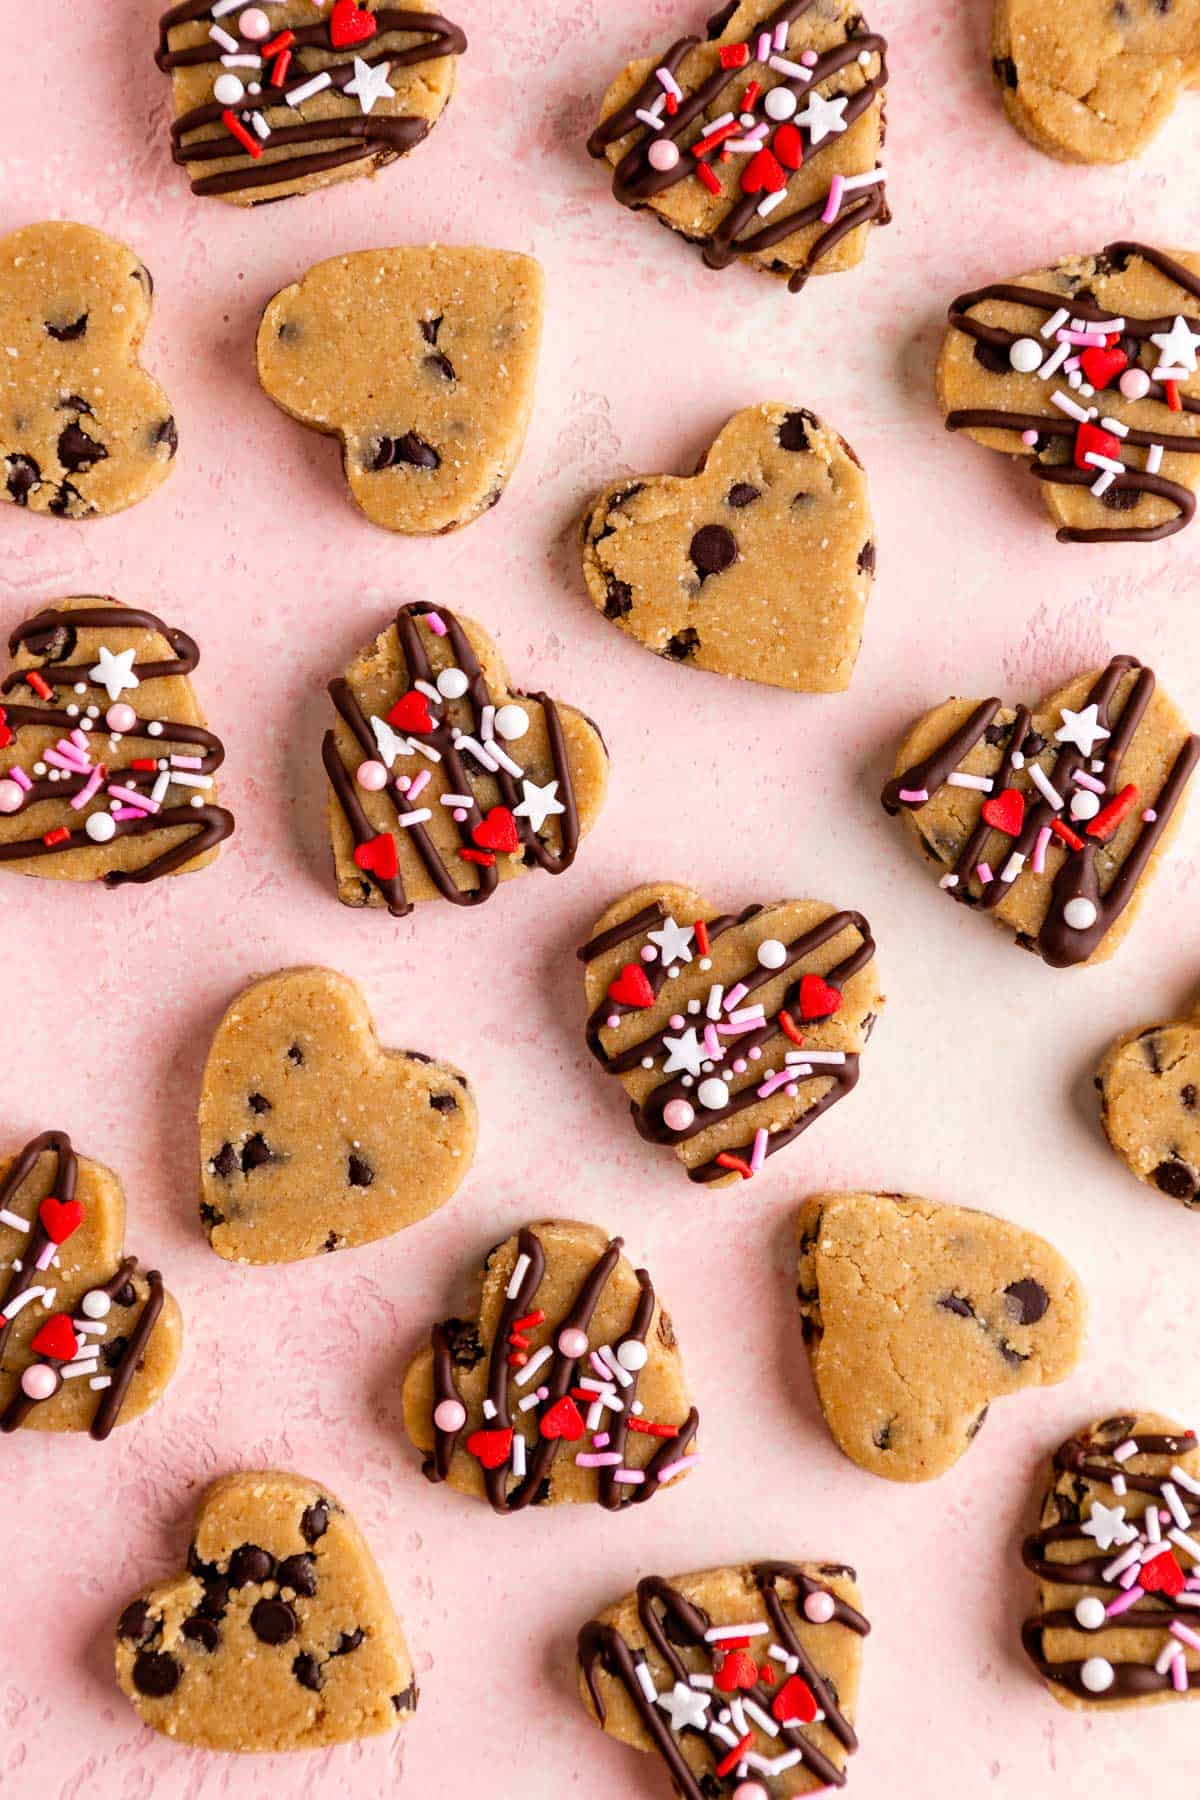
[761, 140]
[106, 767]
[423, 363]
[1123, 1495]
[1149, 1086]
[1088, 371]
[758, 565]
[1093, 82]
[737, 1677]
[267, 106]
[87, 1339]
[84, 431]
[280, 1634]
[313, 1137]
[567, 1384]
[917, 1316]
[1052, 819]
[444, 780]
[733, 1032]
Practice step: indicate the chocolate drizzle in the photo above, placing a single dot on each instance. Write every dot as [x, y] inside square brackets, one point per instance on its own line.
[358, 136]
[1060, 944]
[636, 181]
[672, 1624]
[1052, 428]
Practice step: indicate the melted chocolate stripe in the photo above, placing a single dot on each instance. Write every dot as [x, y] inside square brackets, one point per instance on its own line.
[66, 1170]
[113, 1398]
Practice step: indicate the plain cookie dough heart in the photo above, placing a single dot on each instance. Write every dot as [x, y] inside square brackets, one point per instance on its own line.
[1095, 1639]
[567, 1383]
[1093, 82]
[312, 1136]
[1149, 1086]
[84, 431]
[329, 94]
[106, 767]
[444, 780]
[917, 1316]
[1092, 358]
[280, 1634]
[1053, 820]
[802, 185]
[746, 1671]
[423, 363]
[758, 565]
[87, 1340]
[730, 1033]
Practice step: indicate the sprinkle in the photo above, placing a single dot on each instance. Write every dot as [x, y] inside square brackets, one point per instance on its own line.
[13, 1220]
[780, 1079]
[1083, 340]
[486, 757]
[1064, 832]
[100, 1381]
[717, 132]
[782, 66]
[309, 88]
[701, 931]
[1120, 1485]
[1154, 456]
[1109, 817]
[715, 995]
[1182, 1479]
[241, 62]
[758, 1154]
[1166, 1657]
[763, 47]
[1038, 864]
[1177, 1509]
[534, 1364]
[221, 7]
[1102, 482]
[767, 206]
[234, 126]
[608, 1359]
[914, 796]
[518, 1276]
[645, 1680]
[1055, 321]
[223, 38]
[668, 81]
[649, 119]
[1124, 1602]
[409, 819]
[747, 1015]
[1083, 780]
[489, 1409]
[518, 1456]
[982, 783]
[652, 1428]
[630, 1477]
[707, 176]
[984, 873]
[1012, 867]
[1179, 1671]
[18, 775]
[1054, 362]
[1185, 1634]
[279, 69]
[726, 1160]
[728, 1763]
[1153, 1529]
[1125, 1561]
[59, 835]
[40, 686]
[1185, 1542]
[1065, 404]
[1173, 400]
[1115, 426]
[1045, 786]
[121, 813]
[948, 881]
[735, 996]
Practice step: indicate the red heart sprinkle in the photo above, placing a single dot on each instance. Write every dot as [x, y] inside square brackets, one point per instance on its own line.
[766, 1674]
[350, 24]
[788, 146]
[763, 171]
[497, 830]
[60, 1217]
[1005, 811]
[1093, 440]
[738, 1670]
[411, 713]
[563, 1420]
[817, 999]
[56, 1339]
[631, 987]
[1162, 1574]
[378, 856]
[491, 1447]
[795, 1701]
[1100, 366]
[6, 736]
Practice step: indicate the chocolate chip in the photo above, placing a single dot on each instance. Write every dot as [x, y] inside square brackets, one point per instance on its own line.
[866, 559]
[273, 1621]
[793, 431]
[224, 1162]
[685, 643]
[349, 1640]
[299, 1572]
[307, 1671]
[418, 1056]
[216, 1595]
[135, 1622]
[1175, 1178]
[250, 1563]
[314, 1522]
[1005, 71]
[112, 1352]
[155, 1674]
[289, 332]
[1187, 1095]
[1012, 1356]
[443, 1103]
[407, 1700]
[255, 1152]
[331, 1241]
[463, 1342]
[665, 1331]
[441, 365]
[411, 449]
[73, 403]
[954, 1303]
[1121, 499]
[1149, 1043]
[210, 1216]
[1034, 744]
[125, 1295]
[66, 334]
[430, 328]
[359, 1173]
[742, 493]
[881, 1437]
[542, 1495]
[23, 476]
[996, 734]
[710, 1787]
[68, 502]
[618, 598]
[258, 1103]
[76, 450]
[1027, 1300]
[295, 1055]
[712, 550]
[1118, 1428]
[993, 357]
[166, 432]
[202, 1631]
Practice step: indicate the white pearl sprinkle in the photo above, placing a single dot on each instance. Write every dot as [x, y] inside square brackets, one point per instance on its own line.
[1079, 914]
[772, 954]
[1097, 1675]
[1025, 355]
[452, 684]
[1090, 1613]
[713, 1093]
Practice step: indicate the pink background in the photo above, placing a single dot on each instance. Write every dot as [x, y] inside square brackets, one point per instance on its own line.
[976, 1087]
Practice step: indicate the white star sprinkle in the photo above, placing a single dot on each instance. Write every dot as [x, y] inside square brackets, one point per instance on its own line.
[686, 1706]
[686, 1052]
[823, 117]
[115, 673]
[389, 743]
[1083, 729]
[1107, 1525]
[674, 941]
[1178, 346]
[538, 803]
[369, 84]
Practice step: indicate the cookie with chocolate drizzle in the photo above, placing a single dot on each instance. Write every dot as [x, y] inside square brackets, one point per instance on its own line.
[731, 1033]
[1149, 1085]
[759, 141]
[566, 1385]
[745, 1679]
[88, 1339]
[1051, 818]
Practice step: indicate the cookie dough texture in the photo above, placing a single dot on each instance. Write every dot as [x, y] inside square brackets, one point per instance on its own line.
[313, 1137]
[84, 431]
[470, 1360]
[1149, 1086]
[422, 362]
[1093, 82]
[916, 1316]
[758, 565]
[278, 1636]
[326, 136]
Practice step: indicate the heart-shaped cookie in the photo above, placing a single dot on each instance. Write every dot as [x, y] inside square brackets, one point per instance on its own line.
[723, 1060]
[278, 1636]
[1115, 465]
[423, 363]
[1120, 1493]
[1101, 766]
[758, 565]
[566, 1385]
[87, 1339]
[1093, 85]
[651, 1672]
[430, 745]
[760, 141]
[1149, 1086]
[917, 1316]
[312, 1136]
[106, 768]
[84, 431]
[267, 106]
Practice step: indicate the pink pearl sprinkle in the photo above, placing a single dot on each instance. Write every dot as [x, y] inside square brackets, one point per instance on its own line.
[676, 1021]
[809, 59]
[1030, 438]
[573, 1342]
[648, 953]
[459, 814]
[740, 1065]
[450, 1415]
[10, 797]
[372, 776]
[663, 155]
[750, 1790]
[678, 1115]
[254, 24]
[120, 717]
[755, 1052]
[819, 1608]
[404, 782]
[39, 1382]
[1134, 384]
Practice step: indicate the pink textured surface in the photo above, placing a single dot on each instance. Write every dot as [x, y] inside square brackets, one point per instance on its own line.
[976, 1087]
